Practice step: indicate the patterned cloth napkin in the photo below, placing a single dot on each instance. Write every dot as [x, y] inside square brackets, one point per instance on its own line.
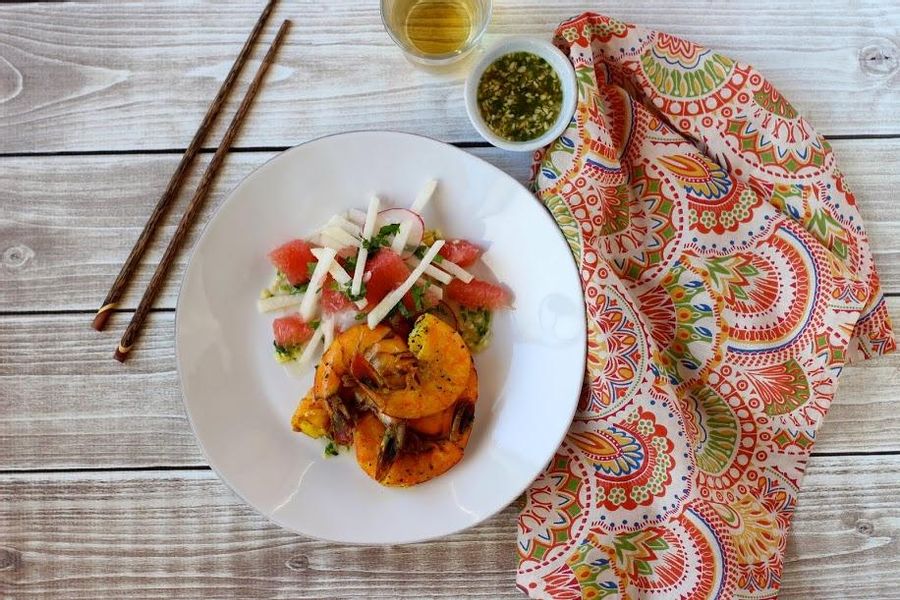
[728, 280]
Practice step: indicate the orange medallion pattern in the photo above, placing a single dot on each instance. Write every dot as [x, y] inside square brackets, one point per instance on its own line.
[728, 280]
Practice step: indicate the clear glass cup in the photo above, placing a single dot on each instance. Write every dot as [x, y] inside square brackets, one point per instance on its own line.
[436, 32]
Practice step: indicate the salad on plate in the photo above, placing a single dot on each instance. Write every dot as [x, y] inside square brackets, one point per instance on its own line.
[389, 313]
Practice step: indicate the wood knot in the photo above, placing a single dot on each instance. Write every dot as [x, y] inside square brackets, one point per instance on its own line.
[10, 81]
[297, 563]
[864, 527]
[10, 559]
[881, 58]
[15, 257]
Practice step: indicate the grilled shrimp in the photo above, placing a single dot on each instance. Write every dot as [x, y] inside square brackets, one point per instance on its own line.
[311, 417]
[377, 356]
[406, 453]
[416, 461]
[440, 424]
[442, 367]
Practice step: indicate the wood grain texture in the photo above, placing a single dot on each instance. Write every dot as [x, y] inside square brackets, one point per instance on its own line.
[183, 534]
[65, 404]
[138, 75]
[67, 223]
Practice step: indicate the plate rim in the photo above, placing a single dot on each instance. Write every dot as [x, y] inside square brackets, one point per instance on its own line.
[582, 332]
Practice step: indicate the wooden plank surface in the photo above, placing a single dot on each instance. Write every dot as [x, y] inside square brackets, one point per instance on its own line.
[137, 75]
[67, 223]
[65, 404]
[183, 534]
[133, 76]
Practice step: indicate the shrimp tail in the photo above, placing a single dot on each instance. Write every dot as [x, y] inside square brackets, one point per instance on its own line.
[341, 426]
[391, 445]
[463, 417]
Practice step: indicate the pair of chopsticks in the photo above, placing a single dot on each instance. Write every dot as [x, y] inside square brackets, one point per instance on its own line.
[178, 178]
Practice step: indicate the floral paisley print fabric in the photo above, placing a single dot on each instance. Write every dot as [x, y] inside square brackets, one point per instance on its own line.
[728, 280]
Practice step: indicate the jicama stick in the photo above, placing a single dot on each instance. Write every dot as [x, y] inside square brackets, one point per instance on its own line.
[314, 290]
[273, 303]
[431, 271]
[382, 309]
[330, 242]
[342, 236]
[357, 216]
[298, 367]
[368, 229]
[455, 270]
[424, 196]
[338, 273]
[399, 243]
[328, 336]
[339, 221]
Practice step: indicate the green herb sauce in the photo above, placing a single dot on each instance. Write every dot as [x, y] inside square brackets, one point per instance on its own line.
[519, 96]
[475, 328]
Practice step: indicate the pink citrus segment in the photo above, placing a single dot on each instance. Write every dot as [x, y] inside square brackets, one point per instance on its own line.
[384, 271]
[291, 331]
[333, 300]
[461, 252]
[292, 259]
[478, 294]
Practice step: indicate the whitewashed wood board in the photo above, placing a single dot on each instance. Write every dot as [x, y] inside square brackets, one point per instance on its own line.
[183, 534]
[139, 75]
[67, 223]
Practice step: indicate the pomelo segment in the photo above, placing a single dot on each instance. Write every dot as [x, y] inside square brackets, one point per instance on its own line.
[291, 331]
[292, 259]
[478, 294]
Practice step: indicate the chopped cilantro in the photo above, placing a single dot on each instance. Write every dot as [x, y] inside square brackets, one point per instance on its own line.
[381, 238]
[360, 316]
[475, 327]
[404, 312]
[420, 252]
[281, 286]
[418, 296]
[315, 324]
[331, 449]
[282, 354]
[350, 263]
[310, 267]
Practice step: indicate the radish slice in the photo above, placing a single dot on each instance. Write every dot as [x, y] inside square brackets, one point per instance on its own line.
[424, 196]
[412, 228]
[431, 271]
[314, 290]
[455, 270]
[368, 229]
[384, 307]
[273, 303]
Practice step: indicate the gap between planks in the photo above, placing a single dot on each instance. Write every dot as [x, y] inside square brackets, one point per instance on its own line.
[249, 149]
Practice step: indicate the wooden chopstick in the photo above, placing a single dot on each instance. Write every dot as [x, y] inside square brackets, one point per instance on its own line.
[184, 225]
[180, 174]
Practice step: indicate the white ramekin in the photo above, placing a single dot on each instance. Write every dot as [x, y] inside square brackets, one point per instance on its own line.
[560, 64]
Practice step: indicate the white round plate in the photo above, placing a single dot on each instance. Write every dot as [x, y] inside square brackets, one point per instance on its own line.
[240, 401]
